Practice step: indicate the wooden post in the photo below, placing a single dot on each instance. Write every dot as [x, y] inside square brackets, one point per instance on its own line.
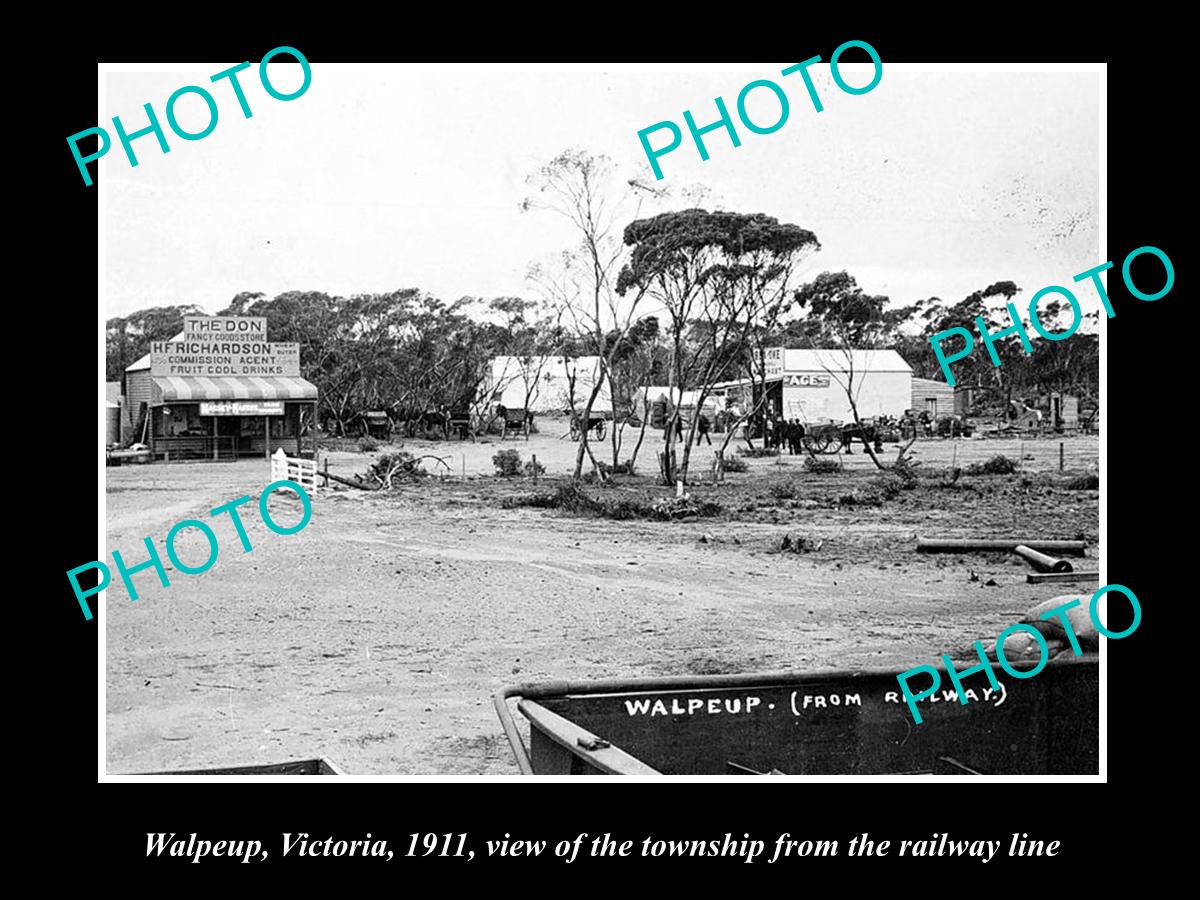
[464, 468]
[326, 461]
[534, 466]
[216, 430]
[1060, 456]
[267, 437]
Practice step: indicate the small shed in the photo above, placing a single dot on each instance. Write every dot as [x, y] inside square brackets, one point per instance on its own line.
[1064, 411]
[933, 397]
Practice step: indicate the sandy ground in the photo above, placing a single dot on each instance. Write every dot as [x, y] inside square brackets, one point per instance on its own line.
[377, 634]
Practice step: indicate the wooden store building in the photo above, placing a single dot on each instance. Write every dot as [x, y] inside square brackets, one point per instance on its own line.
[220, 390]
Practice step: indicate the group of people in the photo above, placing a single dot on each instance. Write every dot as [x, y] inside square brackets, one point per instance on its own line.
[702, 429]
[780, 432]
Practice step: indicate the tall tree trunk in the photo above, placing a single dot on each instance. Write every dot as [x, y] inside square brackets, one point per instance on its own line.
[858, 426]
[583, 430]
[641, 436]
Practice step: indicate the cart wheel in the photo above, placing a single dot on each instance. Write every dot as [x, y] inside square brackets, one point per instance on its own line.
[819, 443]
[600, 431]
[833, 445]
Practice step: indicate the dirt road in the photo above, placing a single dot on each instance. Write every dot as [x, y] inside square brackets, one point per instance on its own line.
[376, 635]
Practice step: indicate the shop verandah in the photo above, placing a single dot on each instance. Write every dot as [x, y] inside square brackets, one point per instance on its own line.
[231, 417]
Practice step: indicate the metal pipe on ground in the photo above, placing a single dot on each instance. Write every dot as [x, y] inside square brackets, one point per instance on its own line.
[1035, 578]
[1041, 561]
[966, 545]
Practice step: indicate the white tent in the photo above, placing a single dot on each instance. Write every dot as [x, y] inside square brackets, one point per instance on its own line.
[543, 383]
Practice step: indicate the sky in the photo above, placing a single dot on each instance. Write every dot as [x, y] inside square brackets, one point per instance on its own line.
[381, 177]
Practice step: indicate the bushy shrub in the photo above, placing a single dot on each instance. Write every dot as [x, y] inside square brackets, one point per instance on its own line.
[798, 544]
[735, 464]
[887, 484]
[997, 465]
[906, 471]
[782, 490]
[1084, 483]
[533, 467]
[367, 444]
[822, 465]
[507, 463]
[757, 452]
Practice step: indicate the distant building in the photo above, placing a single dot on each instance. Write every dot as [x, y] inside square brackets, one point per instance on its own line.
[810, 385]
[112, 413]
[219, 390]
[933, 397]
[657, 400]
[1064, 411]
[542, 384]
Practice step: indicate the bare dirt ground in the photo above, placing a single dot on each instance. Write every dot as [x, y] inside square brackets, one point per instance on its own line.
[377, 635]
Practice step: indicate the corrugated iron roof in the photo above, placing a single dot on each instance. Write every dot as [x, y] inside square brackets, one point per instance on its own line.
[824, 360]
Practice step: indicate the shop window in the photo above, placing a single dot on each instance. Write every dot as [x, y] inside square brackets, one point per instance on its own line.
[182, 420]
[252, 426]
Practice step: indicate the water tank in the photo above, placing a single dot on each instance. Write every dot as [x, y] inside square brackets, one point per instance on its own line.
[112, 423]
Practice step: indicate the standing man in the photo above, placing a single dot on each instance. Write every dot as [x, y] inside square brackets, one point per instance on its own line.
[702, 428]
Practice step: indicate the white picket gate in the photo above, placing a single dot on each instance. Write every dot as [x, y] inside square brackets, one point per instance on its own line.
[301, 471]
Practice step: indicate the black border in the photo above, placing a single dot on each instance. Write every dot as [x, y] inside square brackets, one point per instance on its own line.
[1148, 504]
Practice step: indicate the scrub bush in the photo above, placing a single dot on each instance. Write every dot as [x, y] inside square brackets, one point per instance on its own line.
[507, 463]
[820, 465]
[997, 465]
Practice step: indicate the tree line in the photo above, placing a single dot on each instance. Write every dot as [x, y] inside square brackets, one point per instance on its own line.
[688, 297]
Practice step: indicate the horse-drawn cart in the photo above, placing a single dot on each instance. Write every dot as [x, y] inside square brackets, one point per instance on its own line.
[597, 425]
[516, 421]
[823, 438]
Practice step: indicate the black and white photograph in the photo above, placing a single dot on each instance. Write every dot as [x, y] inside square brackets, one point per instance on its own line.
[504, 421]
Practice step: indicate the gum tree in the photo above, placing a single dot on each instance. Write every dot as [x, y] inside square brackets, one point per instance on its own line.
[719, 276]
[581, 283]
[843, 319]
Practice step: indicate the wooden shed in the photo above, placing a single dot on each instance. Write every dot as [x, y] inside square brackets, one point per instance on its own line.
[933, 397]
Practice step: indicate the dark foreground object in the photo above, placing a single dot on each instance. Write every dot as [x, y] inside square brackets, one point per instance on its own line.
[1043, 562]
[836, 723]
[968, 545]
[1043, 577]
[320, 766]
